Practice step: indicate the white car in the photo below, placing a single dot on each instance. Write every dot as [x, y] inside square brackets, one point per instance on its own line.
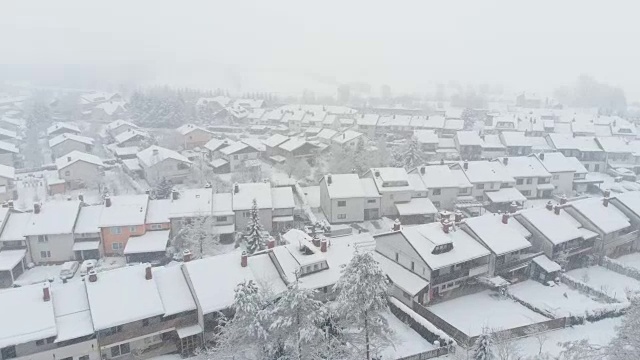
[68, 269]
[87, 265]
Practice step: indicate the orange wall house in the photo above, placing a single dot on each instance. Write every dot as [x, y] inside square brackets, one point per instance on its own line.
[115, 238]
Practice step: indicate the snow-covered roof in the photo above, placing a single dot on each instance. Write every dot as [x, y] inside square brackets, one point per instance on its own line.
[25, 316]
[150, 242]
[391, 179]
[401, 277]
[468, 138]
[257, 144]
[556, 162]
[344, 186]
[155, 154]
[486, 171]
[234, 148]
[173, 289]
[275, 140]
[223, 204]
[282, 198]
[125, 210]
[500, 238]
[346, 136]
[577, 165]
[583, 127]
[524, 166]
[327, 134]
[70, 137]
[294, 143]
[124, 151]
[10, 258]
[187, 128]
[454, 124]
[491, 141]
[158, 211]
[424, 238]
[243, 199]
[8, 147]
[88, 220]
[62, 125]
[607, 218]
[614, 144]
[191, 203]
[435, 122]
[137, 298]
[629, 199]
[7, 172]
[416, 206]
[226, 272]
[558, 229]
[367, 119]
[111, 107]
[369, 188]
[71, 307]
[437, 176]
[545, 263]
[415, 181]
[505, 195]
[515, 138]
[118, 123]
[539, 143]
[55, 217]
[15, 226]
[426, 136]
[77, 156]
[130, 134]
[461, 179]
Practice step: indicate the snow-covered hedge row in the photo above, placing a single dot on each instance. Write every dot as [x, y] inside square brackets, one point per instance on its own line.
[399, 309]
[531, 307]
[620, 268]
[586, 288]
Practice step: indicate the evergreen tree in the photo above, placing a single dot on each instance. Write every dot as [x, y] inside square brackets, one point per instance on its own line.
[412, 157]
[626, 344]
[199, 237]
[163, 189]
[362, 299]
[482, 347]
[253, 237]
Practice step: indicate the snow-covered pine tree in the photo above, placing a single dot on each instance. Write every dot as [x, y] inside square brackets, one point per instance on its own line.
[163, 189]
[362, 299]
[297, 318]
[482, 347]
[253, 237]
[626, 344]
[199, 237]
[412, 157]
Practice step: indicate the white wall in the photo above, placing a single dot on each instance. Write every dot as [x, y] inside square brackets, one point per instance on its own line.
[59, 245]
[447, 197]
[81, 172]
[266, 216]
[389, 245]
[563, 183]
[89, 347]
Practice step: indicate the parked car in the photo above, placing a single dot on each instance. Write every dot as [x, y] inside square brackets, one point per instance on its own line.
[69, 269]
[87, 265]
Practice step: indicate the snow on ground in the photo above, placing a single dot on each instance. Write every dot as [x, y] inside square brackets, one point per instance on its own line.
[108, 263]
[553, 299]
[471, 313]
[39, 274]
[631, 260]
[607, 281]
[407, 342]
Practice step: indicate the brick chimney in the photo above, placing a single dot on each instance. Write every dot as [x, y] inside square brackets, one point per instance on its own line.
[541, 156]
[271, 243]
[549, 206]
[465, 165]
[563, 200]
[397, 225]
[446, 226]
[329, 179]
[556, 209]
[186, 255]
[236, 188]
[175, 194]
[607, 193]
[36, 208]
[513, 207]
[147, 273]
[93, 275]
[46, 292]
[323, 245]
[107, 201]
[505, 218]
[458, 216]
[505, 161]
[244, 259]
[423, 170]
[605, 201]
[316, 241]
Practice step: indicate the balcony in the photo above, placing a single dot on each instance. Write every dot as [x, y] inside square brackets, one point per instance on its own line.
[622, 239]
[523, 259]
[450, 276]
[132, 331]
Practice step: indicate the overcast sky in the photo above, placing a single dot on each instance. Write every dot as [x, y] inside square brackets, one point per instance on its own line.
[287, 45]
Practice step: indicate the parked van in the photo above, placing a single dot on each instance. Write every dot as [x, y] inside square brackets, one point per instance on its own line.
[87, 265]
[69, 269]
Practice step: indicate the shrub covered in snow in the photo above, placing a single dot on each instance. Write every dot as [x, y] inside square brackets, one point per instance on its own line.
[425, 328]
[620, 268]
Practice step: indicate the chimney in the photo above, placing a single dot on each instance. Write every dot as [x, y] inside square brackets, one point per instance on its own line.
[81, 197]
[186, 255]
[549, 206]
[541, 156]
[441, 161]
[458, 216]
[556, 209]
[147, 273]
[155, 151]
[107, 201]
[316, 241]
[397, 225]
[175, 194]
[10, 202]
[423, 170]
[329, 179]
[207, 185]
[36, 208]
[505, 161]
[445, 226]
[376, 173]
[563, 200]
[465, 165]
[243, 259]
[236, 188]
[68, 158]
[323, 245]
[607, 193]
[93, 275]
[271, 243]
[505, 218]
[605, 201]
[46, 292]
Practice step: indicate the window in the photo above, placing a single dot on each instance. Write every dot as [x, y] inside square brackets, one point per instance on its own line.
[371, 201]
[596, 167]
[235, 157]
[43, 238]
[436, 204]
[436, 192]
[156, 226]
[325, 289]
[221, 218]
[83, 357]
[246, 214]
[116, 230]
[9, 352]
[526, 192]
[67, 358]
[316, 267]
[529, 181]
[556, 177]
[519, 181]
[413, 266]
[342, 203]
[119, 350]
[480, 186]
[406, 295]
[39, 342]
[67, 173]
[397, 257]
[45, 254]
[132, 229]
[342, 216]
[117, 246]
[50, 340]
[145, 322]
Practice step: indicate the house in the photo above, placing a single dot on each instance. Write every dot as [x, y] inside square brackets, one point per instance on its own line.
[86, 233]
[117, 127]
[325, 135]
[275, 214]
[586, 149]
[367, 123]
[394, 124]
[469, 145]
[447, 149]
[428, 141]
[447, 259]
[556, 233]
[348, 140]
[441, 184]
[580, 181]
[80, 169]
[146, 318]
[124, 153]
[271, 144]
[532, 179]
[215, 145]
[44, 325]
[452, 127]
[529, 101]
[60, 128]
[562, 170]
[539, 144]
[342, 198]
[517, 143]
[618, 153]
[191, 136]
[90, 100]
[131, 137]
[492, 147]
[238, 155]
[507, 240]
[160, 163]
[122, 217]
[617, 234]
[393, 186]
[7, 185]
[629, 204]
[63, 144]
[485, 176]
[297, 148]
[49, 231]
[108, 111]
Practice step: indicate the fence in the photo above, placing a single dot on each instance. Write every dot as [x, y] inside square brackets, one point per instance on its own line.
[429, 354]
[620, 268]
[457, 335]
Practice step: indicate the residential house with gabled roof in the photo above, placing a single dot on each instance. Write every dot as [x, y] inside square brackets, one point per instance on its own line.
[445, 256]
[86, 233]
[469, 145]
[275, 214]
[562, 170]
[342, 198]
[160, 163]
[586, 149]
[532, 179]
[239, 155]
[367, 124]
[109, 111]
[65, 143]
[348, 140]
[60, 128]
[117, 127]
[485, 176]
[428, 141]
[516, 142]
[441, 184]
[618, 152]
[79, 169]
[191, 136]
[492, 147]
[49, 231]
[131, 137]
[325, 135]
[297, 147]
[122, 217]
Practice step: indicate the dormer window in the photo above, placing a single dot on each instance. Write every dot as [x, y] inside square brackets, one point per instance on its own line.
[439, 249]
